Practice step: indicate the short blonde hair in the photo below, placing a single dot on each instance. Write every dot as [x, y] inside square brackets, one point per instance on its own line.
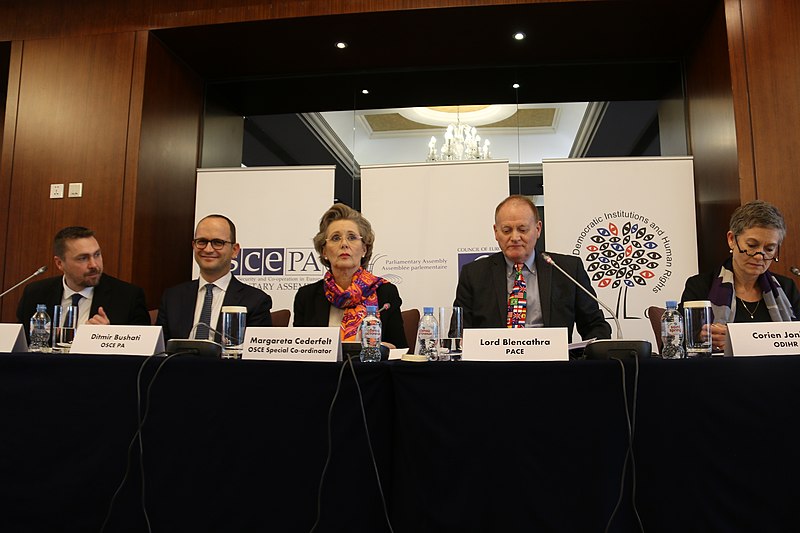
[343, 212]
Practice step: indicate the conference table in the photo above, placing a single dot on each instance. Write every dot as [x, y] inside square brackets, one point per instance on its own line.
[230, 446]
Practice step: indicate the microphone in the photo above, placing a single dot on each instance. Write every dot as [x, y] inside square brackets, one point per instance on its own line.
[606, 348]
[795, 271]
[201, 347]
[549, 261]
[40, 270]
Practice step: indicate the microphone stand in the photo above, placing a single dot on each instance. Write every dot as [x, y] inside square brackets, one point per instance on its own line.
[549, 261]
[41, 269]
[607, 348]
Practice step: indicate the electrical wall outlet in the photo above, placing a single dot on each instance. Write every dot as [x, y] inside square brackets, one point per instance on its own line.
[56, 190]
[75, 190]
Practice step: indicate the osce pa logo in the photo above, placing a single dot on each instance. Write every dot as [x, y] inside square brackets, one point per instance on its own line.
[276, 262]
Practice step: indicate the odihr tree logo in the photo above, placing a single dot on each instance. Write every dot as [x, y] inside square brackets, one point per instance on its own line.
[622, 259]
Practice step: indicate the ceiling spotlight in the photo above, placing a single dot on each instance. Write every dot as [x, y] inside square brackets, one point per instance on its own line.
[516, 86]
[519, 36]
[341, 45]
[364, 91]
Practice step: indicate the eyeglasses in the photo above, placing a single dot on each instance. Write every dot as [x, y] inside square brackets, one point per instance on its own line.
[217, 244]
[768, 255]
[351, 238]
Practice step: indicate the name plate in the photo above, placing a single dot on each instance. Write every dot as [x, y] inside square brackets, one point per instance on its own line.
[118, 340]
[12, 338]
[763, 338]
[518, 344]
[292, 344]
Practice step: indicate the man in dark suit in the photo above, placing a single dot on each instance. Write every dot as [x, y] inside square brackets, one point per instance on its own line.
[185, 308]
[101, 299]
[552, 300]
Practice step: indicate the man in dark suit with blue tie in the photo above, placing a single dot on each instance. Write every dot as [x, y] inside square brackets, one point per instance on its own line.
[492, 289]
[189, 308]
[101, 299]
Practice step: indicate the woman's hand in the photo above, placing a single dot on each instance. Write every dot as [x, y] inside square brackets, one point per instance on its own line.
[719, 336]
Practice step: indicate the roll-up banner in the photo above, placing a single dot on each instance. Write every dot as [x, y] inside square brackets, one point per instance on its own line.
[276, 211]
[430, 219]
[632, 223]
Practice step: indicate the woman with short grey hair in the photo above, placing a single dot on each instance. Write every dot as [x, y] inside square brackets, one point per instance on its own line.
[743, 289]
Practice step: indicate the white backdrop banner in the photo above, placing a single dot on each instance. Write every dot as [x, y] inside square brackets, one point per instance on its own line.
[429, 219]
[632, 223]
[276, 211]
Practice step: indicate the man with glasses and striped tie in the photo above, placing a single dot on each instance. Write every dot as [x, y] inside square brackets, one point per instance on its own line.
[100, 298]
[187, 310]
[517, 288]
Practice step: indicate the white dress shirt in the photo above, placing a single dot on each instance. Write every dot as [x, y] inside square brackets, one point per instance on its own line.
[221, 287]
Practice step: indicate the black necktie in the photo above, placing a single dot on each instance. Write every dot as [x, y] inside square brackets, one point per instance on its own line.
[205, 313]
[76, 298]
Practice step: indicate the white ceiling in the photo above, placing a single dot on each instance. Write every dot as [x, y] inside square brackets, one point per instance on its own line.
[524, 146]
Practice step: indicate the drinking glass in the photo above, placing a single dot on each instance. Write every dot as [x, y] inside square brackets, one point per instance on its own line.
[451, 329]
[58, 316]
[697, 324]
[234, 322]
[67, 334]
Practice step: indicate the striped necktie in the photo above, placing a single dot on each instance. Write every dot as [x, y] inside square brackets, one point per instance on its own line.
[205, 313]
[517, 300]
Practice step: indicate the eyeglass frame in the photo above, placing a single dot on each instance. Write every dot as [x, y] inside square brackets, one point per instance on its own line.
[211, 242]
[762, 252]
[354, 239]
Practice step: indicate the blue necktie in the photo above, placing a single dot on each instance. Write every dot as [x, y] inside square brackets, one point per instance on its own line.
[76, 298]
[205, 313]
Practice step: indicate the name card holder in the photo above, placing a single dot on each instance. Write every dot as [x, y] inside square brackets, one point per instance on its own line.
[763, 338]
[292, 344]
[517, 344]
[118, 340]
[12, 338]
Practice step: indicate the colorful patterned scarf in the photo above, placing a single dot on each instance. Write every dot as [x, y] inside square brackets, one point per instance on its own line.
[723, 296]
[354, 300]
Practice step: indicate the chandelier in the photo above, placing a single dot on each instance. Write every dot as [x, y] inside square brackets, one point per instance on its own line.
[461, 143]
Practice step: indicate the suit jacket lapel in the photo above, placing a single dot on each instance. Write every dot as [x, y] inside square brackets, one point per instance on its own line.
[100, 297]
[544, 273]
[186, 314]
[231, 298]
[322, 307]
[500, 286]
[56, 294]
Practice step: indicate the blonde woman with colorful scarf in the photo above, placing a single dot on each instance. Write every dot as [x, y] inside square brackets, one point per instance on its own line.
[344, 244]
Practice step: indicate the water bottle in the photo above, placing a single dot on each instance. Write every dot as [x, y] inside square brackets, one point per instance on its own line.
[371, 336]
[428, 335]
[672, 332]
[40, 329]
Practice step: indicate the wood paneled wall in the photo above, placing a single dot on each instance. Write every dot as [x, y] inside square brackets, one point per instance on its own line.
[118, 113]
[7, 151]
[69, 125]
[23, 19]
[766, 89]
[712, 138]
[160, 192]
